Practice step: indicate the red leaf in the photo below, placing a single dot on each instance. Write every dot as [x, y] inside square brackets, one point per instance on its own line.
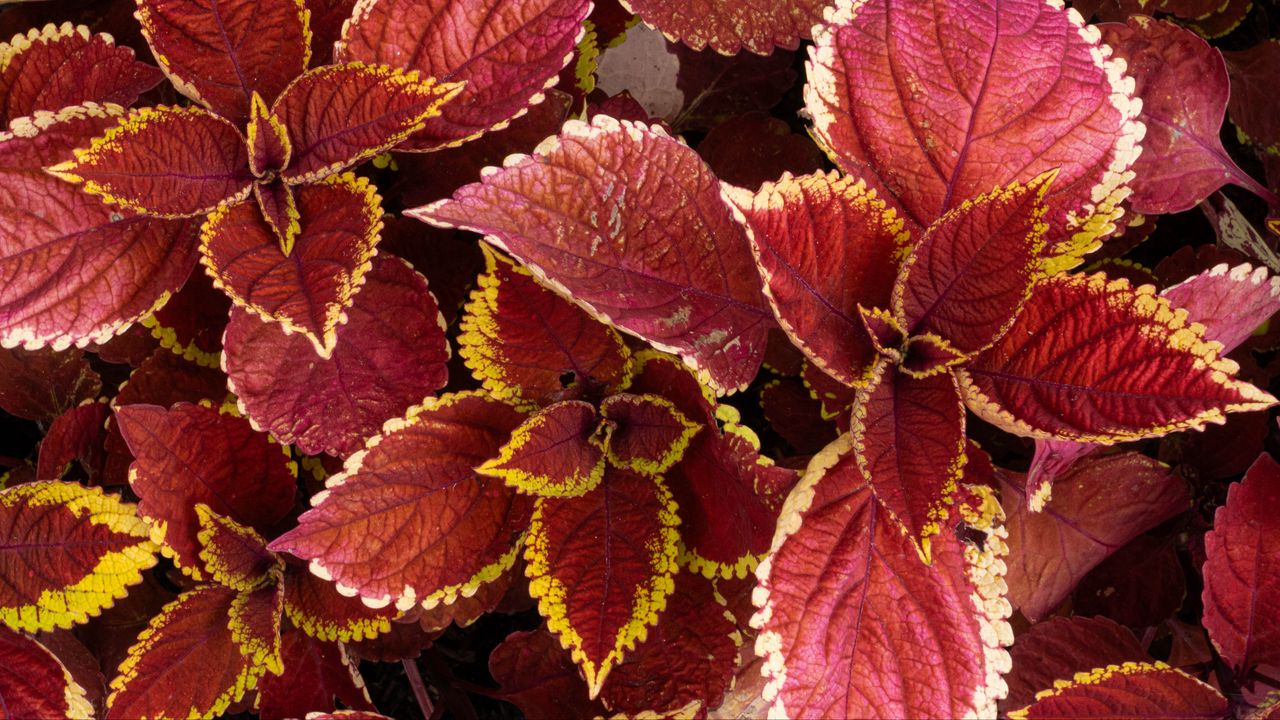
[1132, 690]
[488, 598]
[315, 607]
[1099, 505]
[507, 53]
[165, 162]
[802, 227]
[1183, 84]
[234, 555]
[969, 275]
[164, 379]
[645, 433]
[220, 52]
[1060, 647]
[409, 520]
[327, 19]
[77, 434]
[519, 339]
[41, 385]
[1140, 586]
[1095, 360]
[70, 551]
[667, 262]
[1241, 581]
[308, 290]
[185, 663]
[729, 26]
[192, 454]
[657, 373]
[114, 266]
[339, 115]
[1253, 102]
[601, 567]
[550, 454]
[1231, 302]
[796, 415]
[939, 103]
[910, 444]
[268, 141]
[689, 658]
[378, 368]
[60, 65]
[851, 624]
[540, 678]
[314, 674]
[37, 685]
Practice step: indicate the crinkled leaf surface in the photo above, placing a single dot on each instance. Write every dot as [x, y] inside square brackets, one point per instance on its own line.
[220, 52]
[412, 504]
[506, 51]
[728, 26]
[941, 102]
[69, 552]
[37, 685]
[193, 454]
[56, 66]
[1102, 503]
[233, 554]
[113, 266]
[1231, 302]
[42, 384]
[643, 240]
[1060, 647]
[1241, 581]
[389, 355]
[1131, 690]
[551, 453]
[852, 625]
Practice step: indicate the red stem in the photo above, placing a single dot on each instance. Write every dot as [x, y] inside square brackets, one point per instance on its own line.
[419, 689]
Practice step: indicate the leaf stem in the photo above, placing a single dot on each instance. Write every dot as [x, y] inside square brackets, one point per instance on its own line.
[419, 689]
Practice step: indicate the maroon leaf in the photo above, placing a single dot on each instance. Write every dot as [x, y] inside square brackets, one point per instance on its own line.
[315, 673]
[192, 322]
[1132, 690]
[316, 608]
[728, 27]
[233, 554]
[796, 415]
[551, 453]
[37, 685]
[1252, 104]
[1140, 586]
[77, 434]
[645, 433]
[716, 87]
[164, 379]
[41, 385]
[1059, 648]
[540, 678]
[755, 147]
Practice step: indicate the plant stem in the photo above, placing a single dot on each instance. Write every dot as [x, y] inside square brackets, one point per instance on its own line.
[419, 689]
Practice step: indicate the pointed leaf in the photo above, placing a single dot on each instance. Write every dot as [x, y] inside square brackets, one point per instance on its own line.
[519, 339]
[1097, 507]
[943, 102]
[60, 65]
[314, 674]
[409, 520]
[663, 260]
[727, 26]
[507, 53]
[802, 227]
[220, 52]
[233, 554]
[972, 270]
[601, 567]
[69, 552]
[308, 290]
[646, 433]
[255, 619]
[1096, 360]
[378, 368]
[114, 266]
[1231, 302]
[550, 454]
[185, 664]
[1241, 582]
[1133, 690]
[42, 384]
[339, 115]
[267, 138]
[279, 207]
[164, 161]
[38, 685]
[193, 454]
[1059, 647]
[852, 625]
[314, 606]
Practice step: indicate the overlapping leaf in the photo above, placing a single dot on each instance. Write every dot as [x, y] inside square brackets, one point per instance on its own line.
[1132, 690]
[1059, 647]
[645, 433]
[1252, 103]
[644, 240]
[192, 322]
[506, 51]
[41, 385]
[315, 673]
[551, 453]
[411, 502]
[77, 434]
[537, 675]
[233, 555]
[316, 608]
[850, 625]
[256, 618]
[70, 551]
[1231, 302]
[378, 369]
[942, 102]
[38, 685]
[727, 26]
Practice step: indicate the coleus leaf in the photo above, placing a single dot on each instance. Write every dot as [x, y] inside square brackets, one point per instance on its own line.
[645, 433]
[795, 415]
[116, 266]
[800, 227]
[56, 66]
[314, 674]
[338, 115]
[165, 162]
[1241, 587]
[849, 624]
[551, 453]
[728, 27]
[219, 53]
[70, 551]
[256, 618]
[308, 290]
[519, 338]
[1183, 84]
[314, 606]
[667, 261]
[507, 53]
[185, 664]
[601, 567]
[378, 369]
[1132, 690]
[1060, 647]
[42, 384]
[969, 90]
[753, 148]
[38, 685]
[191, 324]
[1095, 360]
[539, 677]
[1084, 524]
[164, 379]
[1252, 105]
[412, 502]
[1141, 585]
[490, 597]
[267, 139]
[192, 454]
[232, 554]
[77, 434]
